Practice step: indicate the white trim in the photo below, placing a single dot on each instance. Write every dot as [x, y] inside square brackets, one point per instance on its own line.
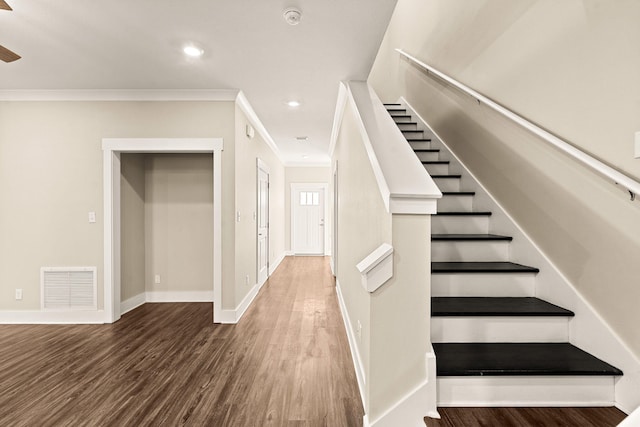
[588, 330]
[133, 303]
[243, 103]
[317, 164]
[314, 186]
[355, 353]
[34, 317]
[234, 316]
[579, 155]
[120, 95]
[409, 411]
[179, 296]
[277, 263]
[337, 117]
[289, 253]
[377, 267]
[404, 183]
[112, 148]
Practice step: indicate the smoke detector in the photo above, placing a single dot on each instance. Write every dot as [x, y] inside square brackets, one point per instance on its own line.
[292, 16]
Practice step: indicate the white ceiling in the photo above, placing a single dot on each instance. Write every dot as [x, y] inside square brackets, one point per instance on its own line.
[137, 44]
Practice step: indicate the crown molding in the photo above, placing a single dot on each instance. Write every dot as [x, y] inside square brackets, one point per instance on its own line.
[120, 95]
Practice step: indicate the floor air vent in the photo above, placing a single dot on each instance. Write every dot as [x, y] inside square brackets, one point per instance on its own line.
[68, 288]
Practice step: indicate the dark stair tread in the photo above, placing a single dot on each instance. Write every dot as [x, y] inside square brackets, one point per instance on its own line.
[476, 359]
[426, 150]
[435, 162]
[407, 123]
[495, 306]
[418, 139]
[464, 213]
[392, 105]
[470, 237]
[481, 267]
[403, 116]
[453, 176]
[458, 193]
[411, 131]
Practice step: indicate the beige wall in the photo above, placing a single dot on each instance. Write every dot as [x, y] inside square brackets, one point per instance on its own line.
[132, 220]
[51, 177]
[393, 354]
[306, 175]
[179, 222]
[247, 151]
[568, 66]
[358, 234]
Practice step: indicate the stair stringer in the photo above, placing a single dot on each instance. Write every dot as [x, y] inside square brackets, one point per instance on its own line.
[587, 330]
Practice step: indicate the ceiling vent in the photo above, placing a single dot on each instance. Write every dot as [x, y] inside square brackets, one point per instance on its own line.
[68, 288]
[292, 16]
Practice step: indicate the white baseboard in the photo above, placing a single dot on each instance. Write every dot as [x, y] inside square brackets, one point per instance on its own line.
[179, 296]
[355, 353]
[51, 317]
[273, 267]
[408, 411]
[132, 303]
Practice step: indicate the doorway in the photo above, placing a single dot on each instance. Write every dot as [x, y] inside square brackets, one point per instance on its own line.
[262, 222]
[308, 219]
[112, 150]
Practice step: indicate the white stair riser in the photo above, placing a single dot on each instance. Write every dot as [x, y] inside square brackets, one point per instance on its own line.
[437, 169]
[526, 391]
[447, 184]
[402, 119]
[407, 126]
[489, 250]
[422, 145]
[500, 329]
[483, 285]
[441, 224]
[455, 203]
[426, 156]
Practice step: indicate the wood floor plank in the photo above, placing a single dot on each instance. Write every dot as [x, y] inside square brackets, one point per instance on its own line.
[286, 363]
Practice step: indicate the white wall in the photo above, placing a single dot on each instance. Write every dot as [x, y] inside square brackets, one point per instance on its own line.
[568, 66]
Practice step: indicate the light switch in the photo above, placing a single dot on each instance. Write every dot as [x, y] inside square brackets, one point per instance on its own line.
[637, 150]
[92, 217]
[238, 216]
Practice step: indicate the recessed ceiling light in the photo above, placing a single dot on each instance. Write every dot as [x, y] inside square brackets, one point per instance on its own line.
[193, 51]
[293, 104]
[302, 138]
[292, 16]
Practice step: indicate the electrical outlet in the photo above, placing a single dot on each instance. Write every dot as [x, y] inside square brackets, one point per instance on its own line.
[637, 146]
[246, 280]
[359, 330]
[157, 279]
[92, 217]
[18, 294]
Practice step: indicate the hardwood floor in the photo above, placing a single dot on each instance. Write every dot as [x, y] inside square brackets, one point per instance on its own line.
[287, 363]
[527, 417]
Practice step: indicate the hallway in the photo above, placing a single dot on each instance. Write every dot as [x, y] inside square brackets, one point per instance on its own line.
[287, 363]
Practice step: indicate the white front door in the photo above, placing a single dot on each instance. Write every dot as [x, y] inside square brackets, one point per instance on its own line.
[262, 217]
[308, 220]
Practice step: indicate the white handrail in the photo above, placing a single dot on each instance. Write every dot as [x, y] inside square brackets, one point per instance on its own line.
[617, 177]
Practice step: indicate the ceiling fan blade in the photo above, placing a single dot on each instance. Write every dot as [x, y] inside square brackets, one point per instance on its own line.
[4, 5]
[7, 56]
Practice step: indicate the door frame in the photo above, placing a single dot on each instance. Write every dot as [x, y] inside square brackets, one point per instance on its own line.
[313, 186]
[112, 149]
[261, 165]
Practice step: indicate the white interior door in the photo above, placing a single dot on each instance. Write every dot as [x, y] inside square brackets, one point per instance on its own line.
[263, 223]
[308, 220]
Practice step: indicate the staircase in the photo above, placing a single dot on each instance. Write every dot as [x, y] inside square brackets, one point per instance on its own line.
[496, 344]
